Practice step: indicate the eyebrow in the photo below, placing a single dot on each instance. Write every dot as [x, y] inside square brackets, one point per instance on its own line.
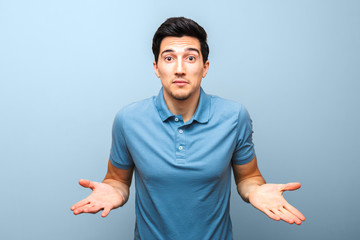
[186, 50]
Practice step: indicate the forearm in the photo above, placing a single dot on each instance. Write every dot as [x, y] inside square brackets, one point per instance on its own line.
[248, 185]
[121, 187]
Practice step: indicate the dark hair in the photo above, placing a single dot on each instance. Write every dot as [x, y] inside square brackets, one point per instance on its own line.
[179, 27]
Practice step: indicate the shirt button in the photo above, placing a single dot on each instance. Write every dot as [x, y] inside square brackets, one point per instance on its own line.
[176, 119]
[181, 131]
[180, 148]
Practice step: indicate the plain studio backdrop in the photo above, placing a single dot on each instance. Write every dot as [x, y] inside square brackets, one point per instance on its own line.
[67, 67]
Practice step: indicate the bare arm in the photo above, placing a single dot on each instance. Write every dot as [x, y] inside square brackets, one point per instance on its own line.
[112, 193]
[247, 178]
[119, 179]
[265, 197]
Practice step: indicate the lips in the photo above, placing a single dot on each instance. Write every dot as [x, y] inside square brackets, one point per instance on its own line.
[179, 82]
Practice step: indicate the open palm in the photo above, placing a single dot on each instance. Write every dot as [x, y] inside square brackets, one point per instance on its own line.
[269, 199]
[103, 197]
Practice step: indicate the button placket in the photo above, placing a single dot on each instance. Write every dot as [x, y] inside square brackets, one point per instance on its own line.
[180, 143]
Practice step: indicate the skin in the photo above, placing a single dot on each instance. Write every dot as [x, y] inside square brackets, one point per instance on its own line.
[180, 68]
[112, 193]
[267, 198]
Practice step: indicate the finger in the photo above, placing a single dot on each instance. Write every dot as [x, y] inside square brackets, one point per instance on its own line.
[86, 183]
[94, 208]
[80, 204]
[283, 217]
[271, 215]
[89, 208]
[292, 218]
[106, 211]
[291, 186]
[295, 212]
[80, 209]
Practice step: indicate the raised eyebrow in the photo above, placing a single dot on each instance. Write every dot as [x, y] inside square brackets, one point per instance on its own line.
[193, 49]
[166, 51]
[187, 50]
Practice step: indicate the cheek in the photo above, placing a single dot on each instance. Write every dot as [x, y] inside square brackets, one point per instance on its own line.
[164, 71]
[197, 71]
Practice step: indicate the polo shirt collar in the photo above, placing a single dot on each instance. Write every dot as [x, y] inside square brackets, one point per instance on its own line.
[202, 112]
[161, 106]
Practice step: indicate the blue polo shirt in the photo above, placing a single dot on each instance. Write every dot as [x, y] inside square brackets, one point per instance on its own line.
[182, 170]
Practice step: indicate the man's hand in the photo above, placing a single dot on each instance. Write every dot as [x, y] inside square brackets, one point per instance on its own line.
[103, 197]
[265, 197]
[268, 199]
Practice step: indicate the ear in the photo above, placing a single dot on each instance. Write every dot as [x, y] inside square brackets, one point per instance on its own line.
[206, 68]
[156, 69]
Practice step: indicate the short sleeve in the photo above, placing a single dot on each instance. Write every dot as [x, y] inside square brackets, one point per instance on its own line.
[120, 156]
[244, 150]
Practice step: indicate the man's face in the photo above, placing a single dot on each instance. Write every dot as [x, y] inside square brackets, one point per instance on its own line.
[180, 67]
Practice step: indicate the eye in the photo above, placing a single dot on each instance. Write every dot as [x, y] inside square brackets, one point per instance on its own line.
[168, 59]
[191, 58]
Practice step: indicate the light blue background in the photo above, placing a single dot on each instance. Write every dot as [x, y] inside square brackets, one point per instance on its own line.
[66, 68]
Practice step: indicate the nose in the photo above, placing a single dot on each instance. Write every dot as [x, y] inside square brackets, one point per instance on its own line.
[180, 68]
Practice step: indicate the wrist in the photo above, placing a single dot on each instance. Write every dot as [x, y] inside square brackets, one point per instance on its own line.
[247, 188]
[121, 188]
[251, 192]
[124, 196]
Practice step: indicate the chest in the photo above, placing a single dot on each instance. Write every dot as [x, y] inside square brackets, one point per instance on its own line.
[177, 152]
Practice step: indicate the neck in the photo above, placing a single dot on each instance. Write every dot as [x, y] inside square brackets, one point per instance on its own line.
[185, 108]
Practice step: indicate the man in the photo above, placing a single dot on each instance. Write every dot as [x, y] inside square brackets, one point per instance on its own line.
[182, 145]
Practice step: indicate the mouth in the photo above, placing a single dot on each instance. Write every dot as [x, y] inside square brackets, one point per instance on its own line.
[180, 82]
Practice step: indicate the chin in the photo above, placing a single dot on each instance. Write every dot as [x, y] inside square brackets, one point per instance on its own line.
[180, 94]
[181, 97]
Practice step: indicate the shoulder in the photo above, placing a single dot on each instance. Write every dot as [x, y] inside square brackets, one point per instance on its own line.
[135, 110]
[221, 105]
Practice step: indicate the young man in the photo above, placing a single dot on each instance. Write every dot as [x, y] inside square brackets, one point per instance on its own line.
[183, 144]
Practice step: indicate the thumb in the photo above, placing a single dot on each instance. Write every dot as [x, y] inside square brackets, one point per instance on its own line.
[86, 183]
[291, 186]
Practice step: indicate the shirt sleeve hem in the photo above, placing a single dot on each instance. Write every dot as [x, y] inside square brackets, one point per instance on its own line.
[244, 160]
[121, 166]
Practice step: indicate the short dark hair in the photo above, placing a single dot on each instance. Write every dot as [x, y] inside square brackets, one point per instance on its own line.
[179, 27]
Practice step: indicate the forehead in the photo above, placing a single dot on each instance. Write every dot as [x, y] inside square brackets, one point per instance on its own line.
[179, 43]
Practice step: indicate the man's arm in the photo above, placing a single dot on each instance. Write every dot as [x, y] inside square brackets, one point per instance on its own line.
[119, 179]
[266, 197]
[247, 178]
[112, 193]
